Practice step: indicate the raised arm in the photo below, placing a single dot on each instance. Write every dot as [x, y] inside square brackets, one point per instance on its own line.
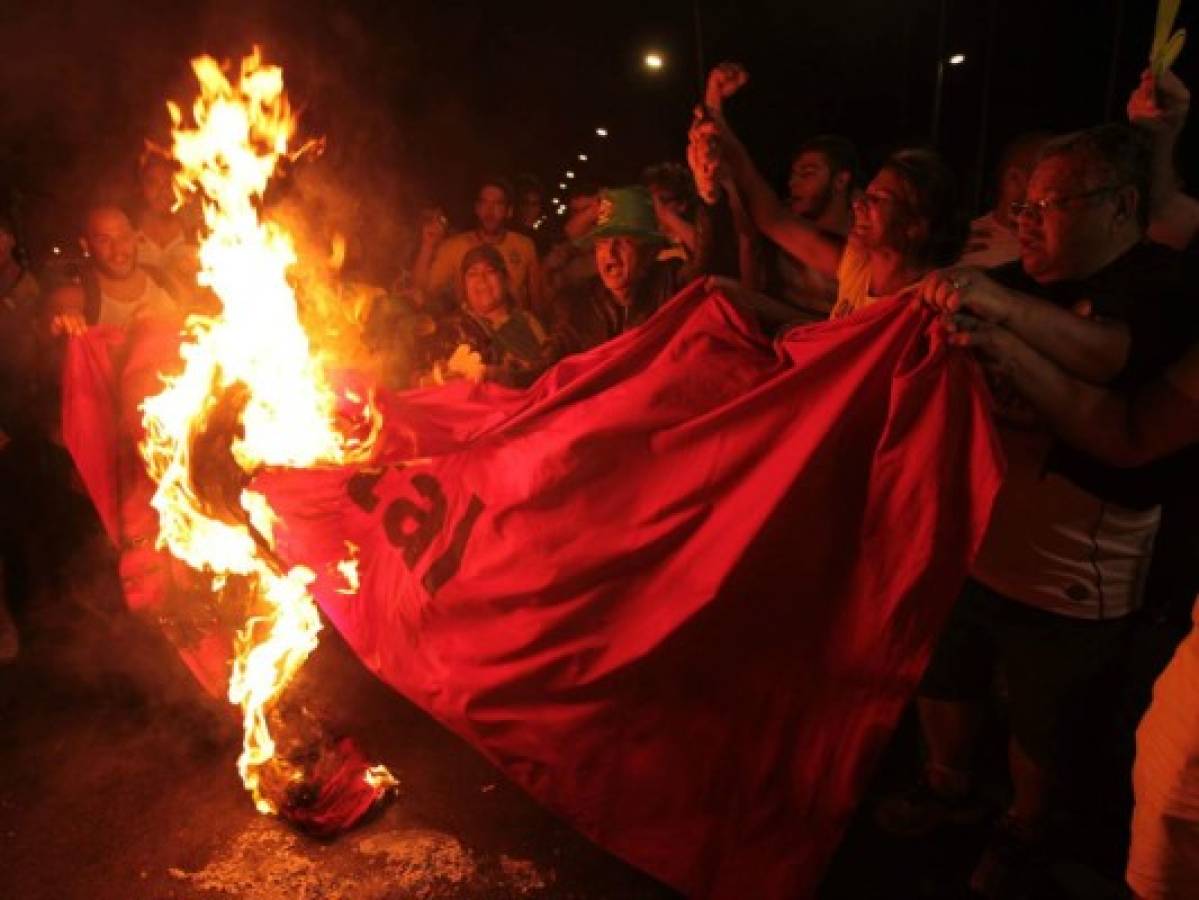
[1158, 108]
[723, 212]
[749, 260]
[820, 250]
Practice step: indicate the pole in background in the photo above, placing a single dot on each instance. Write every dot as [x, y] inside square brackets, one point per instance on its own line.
[984, 112]
[935, 130]
[700, 71]
[1113, 69]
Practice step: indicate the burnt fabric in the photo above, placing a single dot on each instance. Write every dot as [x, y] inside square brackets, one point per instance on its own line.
[105, 377]
[679, 589]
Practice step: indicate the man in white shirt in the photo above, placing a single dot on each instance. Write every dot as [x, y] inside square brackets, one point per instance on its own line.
[113, 289]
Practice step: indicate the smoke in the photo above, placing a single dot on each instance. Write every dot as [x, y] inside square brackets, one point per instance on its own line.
[85, 84]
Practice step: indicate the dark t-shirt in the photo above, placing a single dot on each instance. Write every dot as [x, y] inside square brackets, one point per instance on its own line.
[592, 316]
[1155, 291]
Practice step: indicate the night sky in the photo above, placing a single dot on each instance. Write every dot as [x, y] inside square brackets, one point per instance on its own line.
[418, 99]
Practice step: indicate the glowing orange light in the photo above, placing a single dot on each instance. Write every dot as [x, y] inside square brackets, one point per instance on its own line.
[239, 131]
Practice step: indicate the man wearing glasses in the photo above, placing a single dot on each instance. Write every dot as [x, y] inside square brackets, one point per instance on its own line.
[1064, 561]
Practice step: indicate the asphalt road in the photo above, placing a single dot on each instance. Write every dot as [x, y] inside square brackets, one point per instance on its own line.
[117, 781]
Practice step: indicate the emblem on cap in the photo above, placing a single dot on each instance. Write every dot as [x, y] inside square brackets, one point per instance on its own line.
[605, 210]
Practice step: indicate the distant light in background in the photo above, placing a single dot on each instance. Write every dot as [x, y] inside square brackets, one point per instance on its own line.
[601, 132]
[561, 185]
[957, 59]
[570, 174]
[582, 157]
[653, 60]
[556, 202]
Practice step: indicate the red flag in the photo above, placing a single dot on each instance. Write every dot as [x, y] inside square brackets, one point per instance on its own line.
[682, 587]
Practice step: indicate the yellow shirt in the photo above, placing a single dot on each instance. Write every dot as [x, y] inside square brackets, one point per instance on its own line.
[520, 256]
[853, 282]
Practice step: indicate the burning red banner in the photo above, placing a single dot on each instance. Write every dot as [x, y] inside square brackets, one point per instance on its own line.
[681, 588]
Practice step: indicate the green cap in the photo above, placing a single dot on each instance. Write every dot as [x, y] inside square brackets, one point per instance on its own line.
[624, 212]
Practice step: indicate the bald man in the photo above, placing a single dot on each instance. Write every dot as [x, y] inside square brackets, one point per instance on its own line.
[113, 289]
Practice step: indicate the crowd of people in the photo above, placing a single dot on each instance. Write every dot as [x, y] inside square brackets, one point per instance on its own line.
[1075, 291]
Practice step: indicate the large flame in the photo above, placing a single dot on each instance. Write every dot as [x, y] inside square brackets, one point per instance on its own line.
[256, 350]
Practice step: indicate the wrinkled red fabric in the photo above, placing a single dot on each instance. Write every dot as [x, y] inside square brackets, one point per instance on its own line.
[106, 375]
[697, 575]
[89, 419]
[681, 588]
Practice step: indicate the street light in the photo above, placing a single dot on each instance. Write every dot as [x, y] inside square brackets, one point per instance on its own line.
[653, 60]
[957, 59]
[582, 157]
[561, 185]
[570, 174]
[601, 132]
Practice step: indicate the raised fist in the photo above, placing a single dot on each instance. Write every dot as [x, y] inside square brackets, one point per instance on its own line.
[724, 81]
[1159, 105]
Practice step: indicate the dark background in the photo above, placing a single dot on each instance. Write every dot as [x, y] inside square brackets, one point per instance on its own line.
[418, 99]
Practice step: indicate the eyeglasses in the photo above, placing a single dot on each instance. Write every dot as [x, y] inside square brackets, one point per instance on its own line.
[1037, 208]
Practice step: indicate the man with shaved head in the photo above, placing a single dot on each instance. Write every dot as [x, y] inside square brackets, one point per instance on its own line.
[113, 288]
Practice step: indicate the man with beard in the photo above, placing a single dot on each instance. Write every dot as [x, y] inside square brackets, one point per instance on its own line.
[113, 288]
[824, 172]
[631, 283]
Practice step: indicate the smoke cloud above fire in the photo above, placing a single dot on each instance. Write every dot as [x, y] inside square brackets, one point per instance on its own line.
[85, 84]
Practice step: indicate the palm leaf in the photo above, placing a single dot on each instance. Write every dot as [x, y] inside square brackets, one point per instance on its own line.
[1168, 53]
[1167, 12]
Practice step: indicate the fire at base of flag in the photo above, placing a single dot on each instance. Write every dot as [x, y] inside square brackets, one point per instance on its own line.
[253, 393]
